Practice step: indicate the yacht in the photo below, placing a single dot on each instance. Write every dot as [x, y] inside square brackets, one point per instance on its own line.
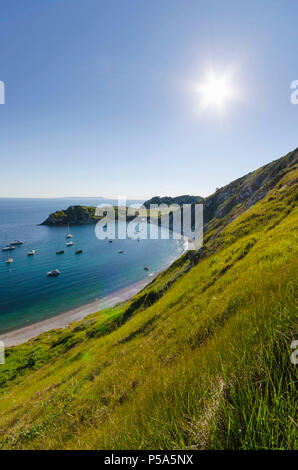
[69, 235]
[32, 252]
[16, 242]
[60, 252]
[120, 251]
[78, 252]
[69, 243]
[54, 273]
[8, 248]
[9, 260]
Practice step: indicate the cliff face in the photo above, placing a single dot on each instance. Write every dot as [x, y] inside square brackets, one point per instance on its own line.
[74, 215]
[228, 202]
[225, 205]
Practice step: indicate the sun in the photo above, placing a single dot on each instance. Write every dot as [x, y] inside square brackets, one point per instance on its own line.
[216, 91]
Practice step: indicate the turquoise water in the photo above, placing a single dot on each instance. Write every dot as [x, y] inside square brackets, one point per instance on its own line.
[27, 295]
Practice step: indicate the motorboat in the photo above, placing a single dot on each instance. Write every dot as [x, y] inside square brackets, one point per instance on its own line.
[8, 248]
[31, 253]
[60, 252]
[9, 260]
[146, 268]
[78, 252]
[16, 242]
[69, 243]
[54, 273]
[120, 251]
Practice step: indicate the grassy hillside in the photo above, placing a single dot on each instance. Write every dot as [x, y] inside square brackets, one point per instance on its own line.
[199, 359]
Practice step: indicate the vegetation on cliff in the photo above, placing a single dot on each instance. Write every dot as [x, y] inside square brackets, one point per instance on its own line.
[80, 215]
[199, 359]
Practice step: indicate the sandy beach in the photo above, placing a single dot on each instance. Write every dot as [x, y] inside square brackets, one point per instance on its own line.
[21, 335]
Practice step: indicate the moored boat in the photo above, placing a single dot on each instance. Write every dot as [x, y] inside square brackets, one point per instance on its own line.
[31, 253]
[16, 242]
[69, 235]
[8, 248]
[54, 273]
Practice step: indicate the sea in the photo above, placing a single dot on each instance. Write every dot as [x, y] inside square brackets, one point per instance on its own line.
[28, 295]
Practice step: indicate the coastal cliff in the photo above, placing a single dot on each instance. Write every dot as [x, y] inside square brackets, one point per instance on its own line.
[78, 215]
[216, 331]
[74, 215]
[221, 207]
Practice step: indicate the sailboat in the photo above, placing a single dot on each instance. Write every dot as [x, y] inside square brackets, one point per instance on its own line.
[69, 235]
[8, 248]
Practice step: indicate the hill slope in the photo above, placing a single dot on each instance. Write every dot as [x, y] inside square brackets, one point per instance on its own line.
[199, 359]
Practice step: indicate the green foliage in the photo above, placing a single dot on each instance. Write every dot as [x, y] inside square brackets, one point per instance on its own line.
[199, 359]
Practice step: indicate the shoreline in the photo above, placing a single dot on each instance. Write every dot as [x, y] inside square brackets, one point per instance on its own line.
[62, 320]
[23, 334]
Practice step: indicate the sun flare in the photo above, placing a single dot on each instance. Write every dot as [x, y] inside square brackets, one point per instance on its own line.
[216, 91]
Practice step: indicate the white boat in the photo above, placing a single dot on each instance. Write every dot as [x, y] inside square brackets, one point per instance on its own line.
[69, 235]
[16, 242]
[8, 248]
[9, 260]
[32, 252]
[54, 273]
[69, 243]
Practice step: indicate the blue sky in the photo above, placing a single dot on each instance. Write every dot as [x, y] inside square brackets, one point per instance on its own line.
[99, 99]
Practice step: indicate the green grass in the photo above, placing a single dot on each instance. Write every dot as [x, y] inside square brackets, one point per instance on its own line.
[199, 359]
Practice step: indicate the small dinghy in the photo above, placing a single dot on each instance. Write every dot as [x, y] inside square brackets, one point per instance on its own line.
[31, 253]
[60, 252]
[78, 252]
[54, 273]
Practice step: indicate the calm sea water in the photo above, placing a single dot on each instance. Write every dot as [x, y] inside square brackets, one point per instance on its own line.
[27, 295]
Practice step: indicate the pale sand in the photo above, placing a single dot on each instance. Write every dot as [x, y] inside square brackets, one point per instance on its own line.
[21, 335]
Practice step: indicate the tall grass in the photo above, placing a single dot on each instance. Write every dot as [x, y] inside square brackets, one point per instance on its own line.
[199, 359]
